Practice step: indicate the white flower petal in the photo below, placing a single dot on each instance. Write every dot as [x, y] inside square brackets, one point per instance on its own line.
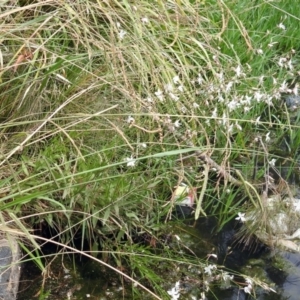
[176, 79]
[181, 88]
[173, 97]
[177, 123]
[130, 119]
[175, 291]
[145, 20]
[281, 26]
[159, 94]
[130, 161]
[122, 33]
[241, 217]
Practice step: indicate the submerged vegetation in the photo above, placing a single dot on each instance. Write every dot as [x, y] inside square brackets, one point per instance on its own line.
[107, 106]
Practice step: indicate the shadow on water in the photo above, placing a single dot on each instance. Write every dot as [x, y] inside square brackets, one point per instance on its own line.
[280, 270]
[85, 279]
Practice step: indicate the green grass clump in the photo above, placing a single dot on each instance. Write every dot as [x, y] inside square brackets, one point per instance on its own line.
[101, 101]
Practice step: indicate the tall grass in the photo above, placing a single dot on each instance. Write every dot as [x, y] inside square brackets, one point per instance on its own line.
[101, 101]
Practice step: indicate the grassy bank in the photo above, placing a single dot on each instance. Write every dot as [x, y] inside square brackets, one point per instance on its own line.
[103, 103]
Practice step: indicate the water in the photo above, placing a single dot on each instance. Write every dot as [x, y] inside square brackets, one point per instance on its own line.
[80, 278]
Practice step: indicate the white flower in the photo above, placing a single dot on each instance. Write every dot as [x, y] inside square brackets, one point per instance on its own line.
[268, 137]
[268, 100]
[214, 113]
[226, 279]
[181, 88]
[130, 119]
[232, 105]
[247, 100]
[226, 276]
[238, 71]
[130, 161]
[228, 86]
[176, 79]
[221, 98]
[159, 94]
[208, 270]
[238, 126]
[168, 87]
[259, 51]
[284, 88]
[173, 97]
[248, 288]
[241, 217]
[257, 121]
[258, 96]
[272, 162]
[282, 61]
[149, 99]
[281, 26]
[230, 128]
[195, 105]
[296, 204]
[143, 145]
[175, 291]
[122, 33]
[145, 20]
[199, 79]
[220, 76]
[177, 124]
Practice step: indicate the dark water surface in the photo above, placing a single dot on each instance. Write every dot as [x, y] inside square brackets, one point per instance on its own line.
[85, 279]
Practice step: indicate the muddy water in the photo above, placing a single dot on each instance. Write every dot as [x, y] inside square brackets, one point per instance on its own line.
[85, 279]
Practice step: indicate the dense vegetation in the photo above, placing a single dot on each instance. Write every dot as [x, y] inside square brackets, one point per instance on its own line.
[106, 106]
